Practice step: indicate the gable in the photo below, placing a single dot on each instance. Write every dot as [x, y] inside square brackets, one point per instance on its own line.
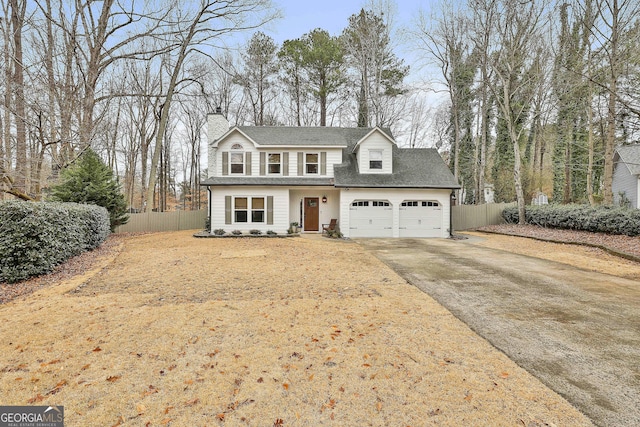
[629, 155]
[234, 136]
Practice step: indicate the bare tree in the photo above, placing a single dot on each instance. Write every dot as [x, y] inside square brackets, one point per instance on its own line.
[194, 28]
[516, 65]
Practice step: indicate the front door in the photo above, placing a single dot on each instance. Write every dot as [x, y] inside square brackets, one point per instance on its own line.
[311, 214]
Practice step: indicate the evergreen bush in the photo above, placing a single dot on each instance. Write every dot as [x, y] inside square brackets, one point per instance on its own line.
[37, 236]
[597, 219]
[90, 180]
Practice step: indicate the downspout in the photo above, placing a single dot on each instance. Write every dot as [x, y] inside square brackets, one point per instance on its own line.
[209, 209]
[452, 200]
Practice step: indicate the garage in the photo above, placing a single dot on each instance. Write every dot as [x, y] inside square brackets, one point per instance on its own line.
[420, 218]
[370, 218]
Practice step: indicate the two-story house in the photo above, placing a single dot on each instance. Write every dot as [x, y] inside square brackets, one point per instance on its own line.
[266, 178]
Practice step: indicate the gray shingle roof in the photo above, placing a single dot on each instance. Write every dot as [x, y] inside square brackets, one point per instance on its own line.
[302, 136]
[412, 168]
[630, 154]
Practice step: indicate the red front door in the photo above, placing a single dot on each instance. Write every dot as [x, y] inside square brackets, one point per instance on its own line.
[311, 214]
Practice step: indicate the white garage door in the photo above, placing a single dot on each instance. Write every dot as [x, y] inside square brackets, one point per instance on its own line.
[370, 218]
[420, 218]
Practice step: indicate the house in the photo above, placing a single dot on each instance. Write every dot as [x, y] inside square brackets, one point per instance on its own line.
[266, 178]
[626, 175]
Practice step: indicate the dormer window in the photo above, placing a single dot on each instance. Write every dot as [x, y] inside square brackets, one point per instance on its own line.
[375, 159]
[236, 159]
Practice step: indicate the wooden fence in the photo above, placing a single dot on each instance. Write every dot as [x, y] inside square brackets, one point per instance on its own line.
[466, 217]
[164, 221]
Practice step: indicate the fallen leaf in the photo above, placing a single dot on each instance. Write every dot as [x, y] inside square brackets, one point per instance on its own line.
[58, 387]
[165, 421]
[504, 375]
[141, 408]
[286, 386]
[379, 406]
[97, 349]
[37, 398]
[220, 416]
[192, 402]
[167, 409]
[113, 378]
[85, 367]
[468, 397]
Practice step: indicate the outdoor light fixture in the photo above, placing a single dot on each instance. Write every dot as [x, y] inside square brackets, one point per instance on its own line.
[324, 199]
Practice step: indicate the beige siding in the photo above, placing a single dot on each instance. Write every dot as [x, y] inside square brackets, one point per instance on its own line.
[164, 221]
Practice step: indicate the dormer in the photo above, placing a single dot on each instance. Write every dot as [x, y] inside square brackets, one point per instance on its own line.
[374, 153]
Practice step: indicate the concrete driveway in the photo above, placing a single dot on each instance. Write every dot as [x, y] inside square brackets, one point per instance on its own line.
[577, 331]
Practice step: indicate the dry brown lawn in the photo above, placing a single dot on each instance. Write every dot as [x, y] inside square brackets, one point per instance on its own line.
[178, 331]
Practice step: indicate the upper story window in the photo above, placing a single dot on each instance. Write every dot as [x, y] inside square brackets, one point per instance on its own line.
[275, 163]
[375, 159]
[311, 163]
[236, 159]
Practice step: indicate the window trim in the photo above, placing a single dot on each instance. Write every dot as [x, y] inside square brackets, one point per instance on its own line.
[317, 163]
[232, 163]
[250, 210]
[376, 164]
[280, 163]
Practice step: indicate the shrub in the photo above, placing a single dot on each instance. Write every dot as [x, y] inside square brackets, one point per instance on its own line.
[599, 219]
[271, 233]
[334, 234]
[236, 232]
[219, 232]
[36, 236]
[255, 232]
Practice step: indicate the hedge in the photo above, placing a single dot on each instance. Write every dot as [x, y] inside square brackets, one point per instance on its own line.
[37, 236]
[598, 219]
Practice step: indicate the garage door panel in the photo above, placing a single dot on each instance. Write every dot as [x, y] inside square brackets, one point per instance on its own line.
[420, 218]
[370, 218]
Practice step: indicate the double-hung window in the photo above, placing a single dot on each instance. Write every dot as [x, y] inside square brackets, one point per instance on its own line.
[236, 160]
[275, 163]
[249, 209]
[375, 159]
[311, 162]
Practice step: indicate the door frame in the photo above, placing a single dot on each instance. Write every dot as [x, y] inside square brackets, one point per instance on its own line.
[304, 216]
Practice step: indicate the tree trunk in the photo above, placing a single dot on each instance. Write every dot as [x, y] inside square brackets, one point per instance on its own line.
[17, 85]
[610, 141]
